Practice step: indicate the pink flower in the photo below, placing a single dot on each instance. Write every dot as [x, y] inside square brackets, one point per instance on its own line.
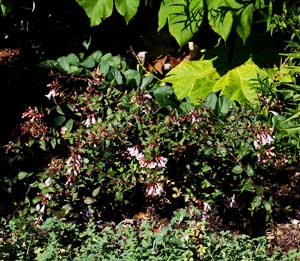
[89, 121]
[47, 182]
[161, 162]
[51, 94]
[155, 189]
[263, 138]
[134, 151]
[147, 164]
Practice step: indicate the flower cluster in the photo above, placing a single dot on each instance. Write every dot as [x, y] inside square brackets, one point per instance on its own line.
[154, 189]
[54, 87]
[33, 124]
[264, 137]
[73, 164]
[157, 162]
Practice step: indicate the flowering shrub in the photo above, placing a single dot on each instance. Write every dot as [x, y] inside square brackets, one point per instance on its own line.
[113, 141]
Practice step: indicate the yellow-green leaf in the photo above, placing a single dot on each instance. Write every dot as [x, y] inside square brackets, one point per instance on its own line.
[96, 10]
[240, 84]
[127, 8]
[244, 25]
[220, 18]
[184, 18]
[193, 79]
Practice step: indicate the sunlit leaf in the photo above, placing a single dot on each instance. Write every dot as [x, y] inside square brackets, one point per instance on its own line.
[244, 25]
[23, 175]
[97, 10]
[193, 79]
[184, 18]
[220, 18]
[240, 84]
[127, 8]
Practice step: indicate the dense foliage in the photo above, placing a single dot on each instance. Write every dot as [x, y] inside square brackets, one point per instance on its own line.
[120, 162]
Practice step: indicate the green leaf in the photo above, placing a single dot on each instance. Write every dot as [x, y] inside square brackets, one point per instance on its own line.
[193, 79]
[88, 62]
[53, 143]
[67, 208]
[96, 10]
[72, 59]
[256, 202]
[259, 4]
[220, 18]
[223, 105]
[91, 60]
[244, 25]
[49, 64]
[240, 83]
[186, 106]
[163, 91]
[63, 63]
[6, 7]
[119, 196]
[89, 200]
[58, 121]
[23, 175]
[43, 145]
[97, 56]
[211, 101]
[127, 8]
[237, 169]
[234, 4]
[249, 170]
[248, 186]
[59, 110]
[146, 81]
[197, 79]
[69, 125]
[184, 18]
[118, 76]
[162, 94]
[133, 77]
[268, 205]
[96, 192]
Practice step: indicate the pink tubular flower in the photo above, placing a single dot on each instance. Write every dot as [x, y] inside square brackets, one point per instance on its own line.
[155, 189]
[147, 164]
[134, 151]
[158, 162]
[91, 120]
[263, 137]
[51, 94]
[161, 162]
